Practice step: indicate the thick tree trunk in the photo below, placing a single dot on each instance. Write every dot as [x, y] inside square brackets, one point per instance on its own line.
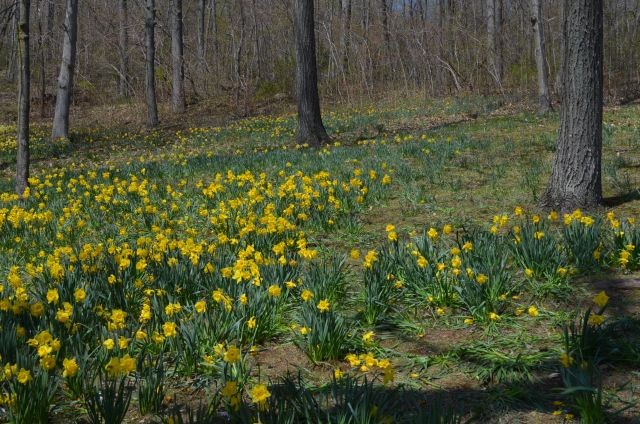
[576, 176]
[123, 39]
[544, 100]
[150, 74]
[67, 68]
[24, 95]
[177, 57]
[494, 29]
[310, 127]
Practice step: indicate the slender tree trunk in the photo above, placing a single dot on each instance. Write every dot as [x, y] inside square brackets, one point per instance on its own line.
[544, 99]
[123, 83]
[24, 96]
[237, 62]
[494, 24]
[201, 46]
[13, 47]
[384, 11]
[256, 41]
[177, 57]
[42, 57]
[150, 75]
[310, 127]
[345, 31]
[214, 34]
[576, 176]
[67, 68]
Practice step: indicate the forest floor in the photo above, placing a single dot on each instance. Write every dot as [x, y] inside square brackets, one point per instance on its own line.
[463, 163]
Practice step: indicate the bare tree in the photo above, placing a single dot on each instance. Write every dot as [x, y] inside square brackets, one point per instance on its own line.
[150, 74]
[177, 57]
[24, 94]
[123, 44]
[67, 69]
[310, 127]
[576, 176]
[544, 99]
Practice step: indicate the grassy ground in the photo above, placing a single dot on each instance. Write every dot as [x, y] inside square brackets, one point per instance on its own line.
[457, 162]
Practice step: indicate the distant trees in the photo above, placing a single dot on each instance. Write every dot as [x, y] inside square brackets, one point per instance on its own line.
[576, 176]
[310, 127]
[244, 50]
[24, 97]
[67, 67]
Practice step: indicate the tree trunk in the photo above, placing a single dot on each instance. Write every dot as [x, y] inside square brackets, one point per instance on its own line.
[177, 57]
[345, 32]
[544, 99]
[65, 79]
[557, 85]
[150, 75]
[310, 127]
[13, 47]
[201, 46]
[42, 56]
[24, 96]
[576, 176]
[237, 62]
[214, 34]
[494, 29]
[123, 82]
[384, 11]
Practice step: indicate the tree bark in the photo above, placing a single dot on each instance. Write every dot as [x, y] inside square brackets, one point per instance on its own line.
[123, 81]
[576, 176]
[310, 127]
[24, 96]
[177, 57]
[150, 75]
[544, 100]
[494, 29]
[67, 68]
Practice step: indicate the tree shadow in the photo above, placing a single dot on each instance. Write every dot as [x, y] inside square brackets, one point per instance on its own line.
[622, 198]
